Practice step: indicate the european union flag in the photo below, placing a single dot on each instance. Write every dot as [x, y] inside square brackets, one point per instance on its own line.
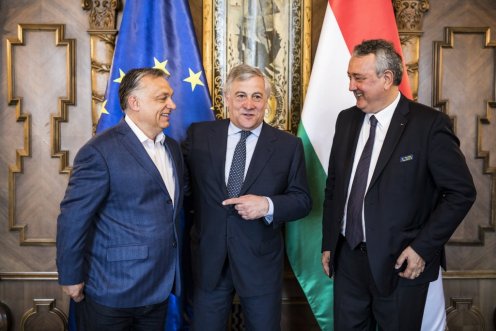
[160, 34]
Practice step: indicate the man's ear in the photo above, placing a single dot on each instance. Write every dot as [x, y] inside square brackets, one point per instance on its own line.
[133, 102]
[388, 79]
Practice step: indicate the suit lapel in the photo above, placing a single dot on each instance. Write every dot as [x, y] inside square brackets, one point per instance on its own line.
[393, 135]
[261, 155]
[217, 144]
[175, 166]
[136, 149]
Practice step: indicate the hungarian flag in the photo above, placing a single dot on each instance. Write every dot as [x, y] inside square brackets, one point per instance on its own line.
[346, 24]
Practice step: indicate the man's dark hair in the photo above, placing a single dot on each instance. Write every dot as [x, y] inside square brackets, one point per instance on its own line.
[131, 82]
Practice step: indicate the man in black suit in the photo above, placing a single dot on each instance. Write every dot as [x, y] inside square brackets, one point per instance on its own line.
[247, 180]
[397, 188]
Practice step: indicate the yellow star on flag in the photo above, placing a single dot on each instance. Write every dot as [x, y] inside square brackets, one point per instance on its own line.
[122, 74]
[102, 108]
[194, 79]
[161, 65]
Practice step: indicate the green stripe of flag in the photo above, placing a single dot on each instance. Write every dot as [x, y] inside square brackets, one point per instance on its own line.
[304, 240]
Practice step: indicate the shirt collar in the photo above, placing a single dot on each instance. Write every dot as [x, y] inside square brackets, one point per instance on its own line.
[233, 129]
[384, 116]
[140, 134]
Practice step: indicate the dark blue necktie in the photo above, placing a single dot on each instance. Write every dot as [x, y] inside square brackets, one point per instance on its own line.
[354, 230]
[237, 171]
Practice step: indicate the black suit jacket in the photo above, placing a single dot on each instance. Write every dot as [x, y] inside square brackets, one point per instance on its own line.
[254, 248]
[421, 189]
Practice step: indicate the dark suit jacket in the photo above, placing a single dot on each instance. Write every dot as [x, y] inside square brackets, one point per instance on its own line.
[117, 228]
[421, 189]
[254, 248]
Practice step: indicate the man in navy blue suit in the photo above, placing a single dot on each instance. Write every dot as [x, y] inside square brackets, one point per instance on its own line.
[117, 241]
[240, 204]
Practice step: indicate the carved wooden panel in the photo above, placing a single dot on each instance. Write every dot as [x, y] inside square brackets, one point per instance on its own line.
[38, 77]
[457, 75]
[475, 47]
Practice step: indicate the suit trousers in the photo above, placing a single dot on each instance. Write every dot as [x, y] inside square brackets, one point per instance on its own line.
[358, 304]
[95, 317]
[211, 309]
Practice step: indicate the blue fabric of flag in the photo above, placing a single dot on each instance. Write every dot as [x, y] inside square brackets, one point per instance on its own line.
[160, 34]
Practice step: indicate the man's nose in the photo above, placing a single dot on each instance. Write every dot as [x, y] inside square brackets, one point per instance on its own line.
[352, 85]
[171, 104]
[249, 104]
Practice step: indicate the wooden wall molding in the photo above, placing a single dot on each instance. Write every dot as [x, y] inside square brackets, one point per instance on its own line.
[28, 276]
[470, 274]
[443, 105]
[25, 117]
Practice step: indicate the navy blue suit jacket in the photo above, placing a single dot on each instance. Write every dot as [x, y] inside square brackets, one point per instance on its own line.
[420, 191]
[117, 228]
[254, 248]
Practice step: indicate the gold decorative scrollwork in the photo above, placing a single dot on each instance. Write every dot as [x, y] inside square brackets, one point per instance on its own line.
[55, 120]
[102, 21]
[409, 15]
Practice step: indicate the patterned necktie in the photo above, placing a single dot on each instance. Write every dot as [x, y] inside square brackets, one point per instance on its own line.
[354, 230]
[237, 171]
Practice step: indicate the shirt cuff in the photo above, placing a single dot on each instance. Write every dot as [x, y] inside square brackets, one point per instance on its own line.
[270, 214]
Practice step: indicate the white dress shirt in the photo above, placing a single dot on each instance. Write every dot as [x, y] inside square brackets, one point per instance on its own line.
[233, 136]
[383, 117]
[159, 155]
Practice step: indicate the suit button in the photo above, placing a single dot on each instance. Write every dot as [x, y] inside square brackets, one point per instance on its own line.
[174, 244]
[169, 201]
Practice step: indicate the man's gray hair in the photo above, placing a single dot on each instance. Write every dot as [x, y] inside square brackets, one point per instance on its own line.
[244, 72]
[386, 57]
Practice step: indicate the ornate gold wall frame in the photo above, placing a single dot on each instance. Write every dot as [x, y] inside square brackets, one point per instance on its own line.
[25, 117]
[464, 311]
[227, 43]
[443, 105]
[45, 312]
